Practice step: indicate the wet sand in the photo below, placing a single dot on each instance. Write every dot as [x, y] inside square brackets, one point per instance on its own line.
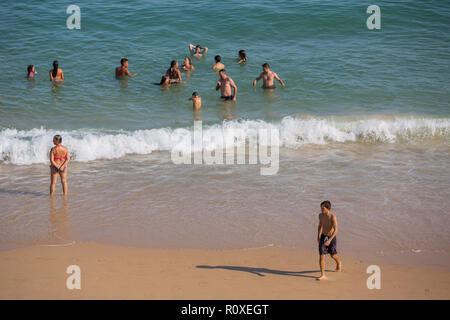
[147, 201]
[117, 272]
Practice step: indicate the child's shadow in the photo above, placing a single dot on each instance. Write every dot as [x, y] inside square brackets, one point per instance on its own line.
[259, 271]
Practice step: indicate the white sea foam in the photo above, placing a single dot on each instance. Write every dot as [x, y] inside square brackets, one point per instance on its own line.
[24, 147]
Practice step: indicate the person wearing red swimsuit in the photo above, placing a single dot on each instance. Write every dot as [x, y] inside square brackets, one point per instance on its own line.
[59, 158]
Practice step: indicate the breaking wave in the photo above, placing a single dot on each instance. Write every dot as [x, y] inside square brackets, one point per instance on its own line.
[24, 147]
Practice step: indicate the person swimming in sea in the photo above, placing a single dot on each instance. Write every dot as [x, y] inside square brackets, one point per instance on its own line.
[187, 66]
[268, 75]
[197, 51]
[225, 84]
[56, 74]
[218, 65]
[164, 83]
[242, 57]
[196, 101]
[59, 158]
[123, 71]
[173, 73]
[31, 71]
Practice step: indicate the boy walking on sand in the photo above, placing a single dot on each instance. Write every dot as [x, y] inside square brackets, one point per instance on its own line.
[326, 237]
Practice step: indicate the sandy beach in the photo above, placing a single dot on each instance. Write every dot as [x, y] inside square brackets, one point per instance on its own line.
[116, 272]
[336, 122]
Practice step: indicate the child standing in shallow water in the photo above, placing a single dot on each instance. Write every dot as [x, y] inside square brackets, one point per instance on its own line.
[196, 101]
[31, 71]
[242, 56]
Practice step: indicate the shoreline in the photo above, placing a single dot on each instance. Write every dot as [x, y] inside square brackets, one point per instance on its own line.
[118, 272]
[404, 258]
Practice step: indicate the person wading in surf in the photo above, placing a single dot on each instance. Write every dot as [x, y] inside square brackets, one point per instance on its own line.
[59, 158]
[268, 75]
[123, 71]
[56, 74]
[225, 84]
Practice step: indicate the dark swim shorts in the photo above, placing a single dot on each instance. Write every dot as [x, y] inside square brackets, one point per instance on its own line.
[227, 97]
[331, 249]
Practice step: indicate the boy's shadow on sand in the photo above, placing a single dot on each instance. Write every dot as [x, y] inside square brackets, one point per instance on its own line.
[259, 271]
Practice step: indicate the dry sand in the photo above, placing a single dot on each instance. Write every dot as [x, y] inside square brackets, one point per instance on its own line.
[115, 272]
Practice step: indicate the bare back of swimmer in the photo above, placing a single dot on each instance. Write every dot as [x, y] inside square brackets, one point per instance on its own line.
[56, 74]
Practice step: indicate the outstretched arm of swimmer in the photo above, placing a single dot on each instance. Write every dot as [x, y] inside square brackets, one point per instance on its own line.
[278, 78]
[319, 230]
[128, 73]
[257, 79]
[334, 225]
[235, 90]
[205, 49]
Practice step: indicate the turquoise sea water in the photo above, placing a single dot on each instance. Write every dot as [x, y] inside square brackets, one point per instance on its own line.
[331, 63]
[358, 95]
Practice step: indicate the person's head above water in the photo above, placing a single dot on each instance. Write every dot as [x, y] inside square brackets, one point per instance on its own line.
[30, 69]
[57, 139]
[222, 73]
[55, 68]
[173, 64]
[164, 80]
[266, 67]
[218, 58]
[194, 94]
[325, 206]
[197, 48]
[242, 54]
[124, 62]
[187, 61]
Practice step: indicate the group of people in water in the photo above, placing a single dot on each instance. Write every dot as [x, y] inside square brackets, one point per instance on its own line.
[226, 85]
[59, 155]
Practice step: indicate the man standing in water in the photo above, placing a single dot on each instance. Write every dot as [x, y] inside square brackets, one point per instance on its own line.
[268, 75]
[225, 84]
[326, 237]
[123, 71]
